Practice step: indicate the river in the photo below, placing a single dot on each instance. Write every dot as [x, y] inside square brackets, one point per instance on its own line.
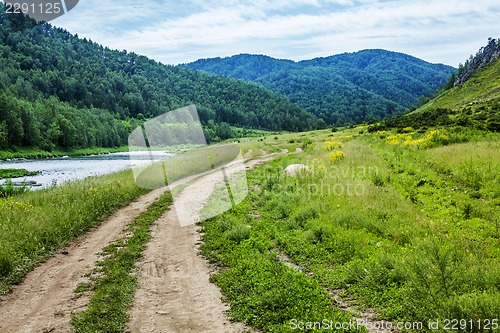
[60, 170]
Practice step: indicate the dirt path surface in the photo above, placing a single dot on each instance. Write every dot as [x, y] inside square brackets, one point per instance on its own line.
[178, 285]
[45, 300]
[174, 293]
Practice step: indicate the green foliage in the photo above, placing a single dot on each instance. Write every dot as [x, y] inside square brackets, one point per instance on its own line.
[32, 153]
[52, 124]
[474, 103]
[418, 241]
[342, 89]
[14, 173]
[8, 189]
[262, 291]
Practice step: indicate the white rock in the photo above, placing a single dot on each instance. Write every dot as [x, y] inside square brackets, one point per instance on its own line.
[293, 169]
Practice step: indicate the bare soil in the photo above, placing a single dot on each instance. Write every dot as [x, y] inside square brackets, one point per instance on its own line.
[174, 293]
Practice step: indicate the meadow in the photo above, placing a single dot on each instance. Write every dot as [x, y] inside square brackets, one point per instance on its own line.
[406, 223]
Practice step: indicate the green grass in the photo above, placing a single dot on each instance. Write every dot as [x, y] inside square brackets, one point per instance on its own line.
[482, 87]
[410, 231]
[14, 173]
[114, 283]
[189, 163]
[35, 224]
[8, 189]
[475, 104]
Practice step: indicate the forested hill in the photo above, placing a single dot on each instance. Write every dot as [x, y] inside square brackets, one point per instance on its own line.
[59, 90]
[341, 89]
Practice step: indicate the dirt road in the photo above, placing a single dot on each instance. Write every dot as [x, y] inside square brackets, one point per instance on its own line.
[174, 293]
[45, 300]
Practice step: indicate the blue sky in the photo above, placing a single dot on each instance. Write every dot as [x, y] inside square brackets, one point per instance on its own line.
[173, 32]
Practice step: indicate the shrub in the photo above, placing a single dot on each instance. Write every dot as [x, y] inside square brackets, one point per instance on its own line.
[336, 155]
[238, 233]
[331, 145]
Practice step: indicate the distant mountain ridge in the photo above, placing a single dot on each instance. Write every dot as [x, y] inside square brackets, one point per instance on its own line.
[341, 89]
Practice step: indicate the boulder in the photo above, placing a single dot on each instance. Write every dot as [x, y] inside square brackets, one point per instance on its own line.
[293, 169]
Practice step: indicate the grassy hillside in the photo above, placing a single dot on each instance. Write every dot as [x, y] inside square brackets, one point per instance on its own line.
[472, 104]
[480, 90]
[341, 89]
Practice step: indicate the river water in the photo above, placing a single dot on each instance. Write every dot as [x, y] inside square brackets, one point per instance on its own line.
[60, 170]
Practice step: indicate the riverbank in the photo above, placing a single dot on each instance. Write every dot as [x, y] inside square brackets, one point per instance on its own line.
[38, 154]
[35, 154]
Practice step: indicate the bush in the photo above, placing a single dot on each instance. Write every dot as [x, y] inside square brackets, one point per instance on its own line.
[238, 233]
[9, 190]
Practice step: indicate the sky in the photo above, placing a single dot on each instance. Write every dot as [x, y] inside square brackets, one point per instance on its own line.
[178, 31]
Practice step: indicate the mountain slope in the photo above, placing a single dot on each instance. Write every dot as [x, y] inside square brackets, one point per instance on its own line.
[480, 89]
[473, 99]
[341, 89]
[45, 62]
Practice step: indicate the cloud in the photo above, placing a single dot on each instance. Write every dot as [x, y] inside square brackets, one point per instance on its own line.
[176, 32]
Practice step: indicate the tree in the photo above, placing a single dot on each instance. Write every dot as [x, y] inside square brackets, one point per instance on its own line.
[3, 134]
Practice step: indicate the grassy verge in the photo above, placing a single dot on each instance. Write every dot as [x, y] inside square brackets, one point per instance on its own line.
[114, 285]
[262, 291]
[35, 224]
[406, 224]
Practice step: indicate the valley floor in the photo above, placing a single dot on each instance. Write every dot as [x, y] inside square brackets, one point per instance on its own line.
[381, 231]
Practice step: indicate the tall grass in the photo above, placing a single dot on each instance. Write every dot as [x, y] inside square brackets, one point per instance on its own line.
[416, 238]
[34, 224]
